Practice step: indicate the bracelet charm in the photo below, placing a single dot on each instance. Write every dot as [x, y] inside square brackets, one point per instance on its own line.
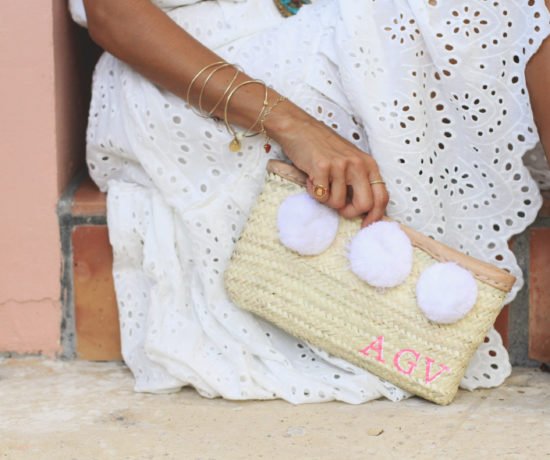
[235, 144]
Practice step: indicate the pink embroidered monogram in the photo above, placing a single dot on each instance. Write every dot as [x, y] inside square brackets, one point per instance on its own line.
[412, 364]
[377, 347]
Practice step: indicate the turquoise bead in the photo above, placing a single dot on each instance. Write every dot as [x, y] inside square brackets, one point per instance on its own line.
[291, 7]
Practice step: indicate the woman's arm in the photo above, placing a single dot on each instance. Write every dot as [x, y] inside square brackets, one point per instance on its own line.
[537, 74]
[143, 36]
[140, 34]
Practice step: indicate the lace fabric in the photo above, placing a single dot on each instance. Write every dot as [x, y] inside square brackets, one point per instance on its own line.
[435, 93]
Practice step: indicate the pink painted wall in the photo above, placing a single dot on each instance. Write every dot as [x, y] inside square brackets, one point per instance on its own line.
[41, 120]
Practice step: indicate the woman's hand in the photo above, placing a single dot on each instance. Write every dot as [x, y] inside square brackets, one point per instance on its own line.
[332, 162]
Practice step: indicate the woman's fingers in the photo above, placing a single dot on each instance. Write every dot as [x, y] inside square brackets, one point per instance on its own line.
[330, 185]
[361, 200]
[318, 183]
[338, 187]
[369, 195]
[318, 191]
[341, 177]
[381, 198]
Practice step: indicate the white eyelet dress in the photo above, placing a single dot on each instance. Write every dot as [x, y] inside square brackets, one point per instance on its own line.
[434, 90]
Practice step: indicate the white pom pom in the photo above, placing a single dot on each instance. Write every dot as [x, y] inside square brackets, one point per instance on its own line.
[446, 292]
[305, 225]
[381, 254]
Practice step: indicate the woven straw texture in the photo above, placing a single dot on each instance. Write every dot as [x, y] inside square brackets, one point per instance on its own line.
[319, 300]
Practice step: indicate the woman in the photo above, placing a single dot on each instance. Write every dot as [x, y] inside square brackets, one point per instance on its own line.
[434, 93]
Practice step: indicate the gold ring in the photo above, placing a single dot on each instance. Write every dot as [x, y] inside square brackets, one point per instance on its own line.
[320, 191]
[374, 182]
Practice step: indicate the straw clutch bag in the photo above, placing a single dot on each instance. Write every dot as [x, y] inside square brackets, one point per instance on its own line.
[319, 300]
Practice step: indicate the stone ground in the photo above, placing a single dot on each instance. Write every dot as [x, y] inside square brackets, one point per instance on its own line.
[81, 410]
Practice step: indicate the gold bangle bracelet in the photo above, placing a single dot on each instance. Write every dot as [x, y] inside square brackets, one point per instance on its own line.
[265, 105]
[220, 100]
[235, 144]
[206, 80]
[197, 75]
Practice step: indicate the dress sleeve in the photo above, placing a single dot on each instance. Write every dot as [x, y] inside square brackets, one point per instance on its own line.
[76, 8]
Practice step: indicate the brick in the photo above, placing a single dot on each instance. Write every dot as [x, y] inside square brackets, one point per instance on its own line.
[96, 313]
[88, 200]
[503, 319]
[539, 295]
[545, 209]
[501, 325]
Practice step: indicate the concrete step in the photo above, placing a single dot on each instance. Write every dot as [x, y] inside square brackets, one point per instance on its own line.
[88, 411]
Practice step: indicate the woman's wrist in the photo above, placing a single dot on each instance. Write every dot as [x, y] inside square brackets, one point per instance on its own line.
[286, 121]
